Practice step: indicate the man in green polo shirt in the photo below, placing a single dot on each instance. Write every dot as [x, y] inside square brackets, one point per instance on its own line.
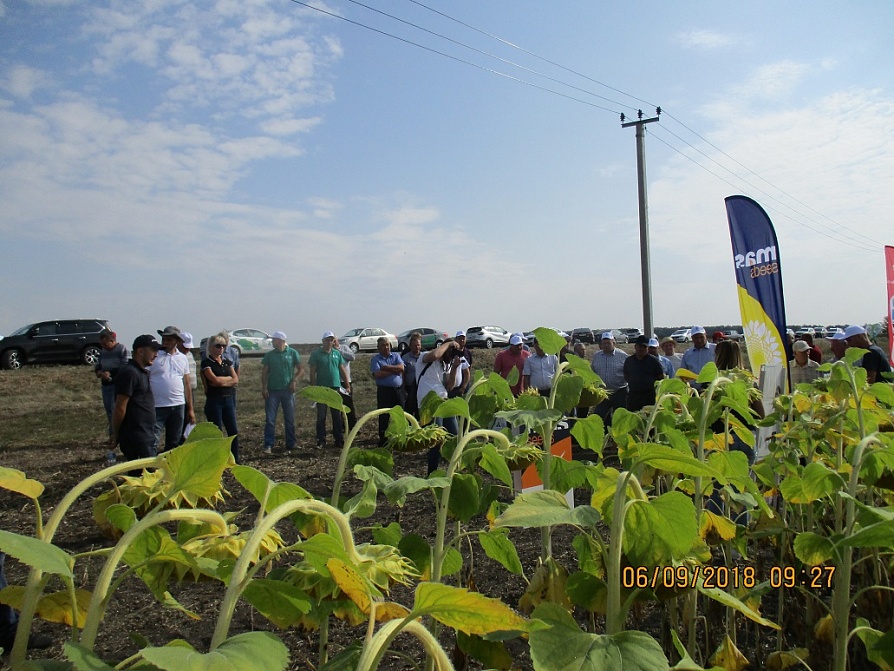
[281, 368]
[327, 369]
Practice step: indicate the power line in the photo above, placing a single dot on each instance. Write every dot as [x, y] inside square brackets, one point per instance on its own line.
[837, 224]
[847, 240]
[489, 55]
[455, 58]
[537, 56]
[836, 231]
[761, 191]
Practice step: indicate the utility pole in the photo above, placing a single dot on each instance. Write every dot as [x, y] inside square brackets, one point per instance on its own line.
[645, 263]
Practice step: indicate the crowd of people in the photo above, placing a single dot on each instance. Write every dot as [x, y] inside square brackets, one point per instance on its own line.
[147, 392]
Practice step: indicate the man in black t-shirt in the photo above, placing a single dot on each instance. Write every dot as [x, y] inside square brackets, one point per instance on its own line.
[875, 361]
[642, 371]
[133, 421]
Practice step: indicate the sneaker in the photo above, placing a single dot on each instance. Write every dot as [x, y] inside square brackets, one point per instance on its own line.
[268, 450]
[39, 641]
[321, 445]
[35, 642]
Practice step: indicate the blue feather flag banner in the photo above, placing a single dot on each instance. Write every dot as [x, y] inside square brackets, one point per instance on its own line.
[759, 279]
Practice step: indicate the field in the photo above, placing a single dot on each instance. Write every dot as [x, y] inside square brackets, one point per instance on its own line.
[53, 429]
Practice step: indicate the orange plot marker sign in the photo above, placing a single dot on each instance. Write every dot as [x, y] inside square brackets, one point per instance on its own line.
[529, 480]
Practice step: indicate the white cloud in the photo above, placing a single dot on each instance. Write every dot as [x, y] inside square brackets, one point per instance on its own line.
[773, 80]
[22, 81]
[832, 155]
[705, 39]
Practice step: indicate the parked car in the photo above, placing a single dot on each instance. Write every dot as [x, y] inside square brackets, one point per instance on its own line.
[805, 330]
[829, 331]
[487, 336]
[619, 335]
[583, 334]
[62, 341]
[732, 335]
[632, 334]
[247, 341]
[431, 338]
[682, 335]
[366, 339]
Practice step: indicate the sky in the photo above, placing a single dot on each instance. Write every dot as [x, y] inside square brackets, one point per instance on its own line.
[265, 164]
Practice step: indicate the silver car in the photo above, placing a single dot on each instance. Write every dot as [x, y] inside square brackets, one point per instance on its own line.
[487, 336]
[365, 339]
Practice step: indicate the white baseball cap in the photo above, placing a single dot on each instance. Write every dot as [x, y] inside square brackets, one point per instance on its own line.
[695, 330]
[187, 339]
[328, 334]
[460, 334]
[607, 335]
[279, 335]
[853, 330]
[801, 346]
[515, 339]
[653, 342]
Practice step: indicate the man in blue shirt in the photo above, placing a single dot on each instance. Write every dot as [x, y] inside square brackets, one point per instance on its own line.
[666, 365]
[388, 370]
[701, 352]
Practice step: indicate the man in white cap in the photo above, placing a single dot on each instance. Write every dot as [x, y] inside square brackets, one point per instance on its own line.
[802, 368]
[185, 347]
[666, 364]
[171, 389]
[280, 369]
[874, 361]
[465, 352]
[838, 345]
[701, 352]
[608, 364]
[327, 369]
[512, 358]
[669, 348]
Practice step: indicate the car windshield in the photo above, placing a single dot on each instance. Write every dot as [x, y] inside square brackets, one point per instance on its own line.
[21, 331]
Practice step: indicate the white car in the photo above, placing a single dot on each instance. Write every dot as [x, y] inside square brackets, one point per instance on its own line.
[247, 341]
[366, 340]
[682, 335]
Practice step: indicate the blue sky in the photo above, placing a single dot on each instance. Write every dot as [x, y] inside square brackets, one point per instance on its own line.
[255, 163]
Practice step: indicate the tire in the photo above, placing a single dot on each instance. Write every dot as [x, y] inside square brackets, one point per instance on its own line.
[354, 347]
[13, 359]
[438, 343]
[90, 355]
[489, 343]
[402, 347]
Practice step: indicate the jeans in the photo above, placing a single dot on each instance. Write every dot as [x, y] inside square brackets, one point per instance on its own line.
[8, 617]
[169, 421]
[275, 399]
[221, 411]
[617, 399]
[108, 402]
[337, 424]
[387, 397]
[434, 454]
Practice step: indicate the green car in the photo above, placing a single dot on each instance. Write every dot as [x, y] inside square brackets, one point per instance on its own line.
[431, 338]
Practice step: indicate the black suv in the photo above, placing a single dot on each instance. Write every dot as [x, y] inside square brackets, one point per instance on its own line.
[583, 335]
[62, 341]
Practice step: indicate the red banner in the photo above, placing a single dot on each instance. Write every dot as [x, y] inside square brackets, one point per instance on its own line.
[889, 267]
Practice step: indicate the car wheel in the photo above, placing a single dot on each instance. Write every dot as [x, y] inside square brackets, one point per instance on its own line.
[13, 359]
[90, 355]
[354, 347]
[438, 343]
[402, 347]
[489, 343]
